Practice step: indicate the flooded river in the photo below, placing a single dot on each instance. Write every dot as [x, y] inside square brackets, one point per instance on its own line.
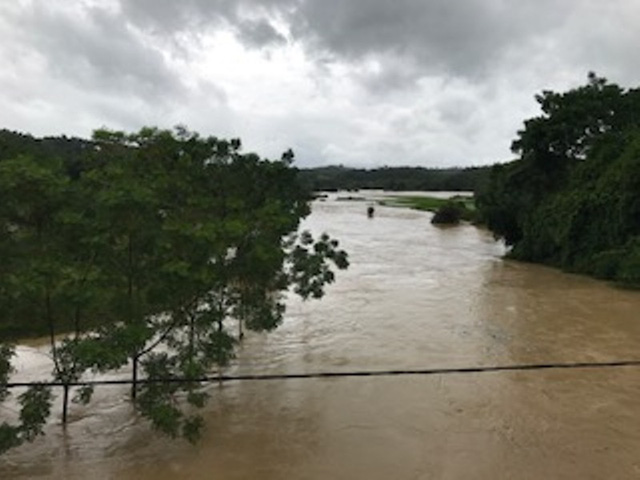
[415, 297]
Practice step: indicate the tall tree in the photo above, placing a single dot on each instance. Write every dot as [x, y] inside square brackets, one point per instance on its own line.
[148, 252]
[197, 236]
[571, 200]
[45, 272]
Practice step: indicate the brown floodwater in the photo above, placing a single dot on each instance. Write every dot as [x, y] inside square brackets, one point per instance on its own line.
[415, 297]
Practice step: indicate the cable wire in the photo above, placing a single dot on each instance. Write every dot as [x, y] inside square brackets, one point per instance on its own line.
[361, 373]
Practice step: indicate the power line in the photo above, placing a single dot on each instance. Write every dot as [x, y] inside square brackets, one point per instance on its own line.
[362, 373]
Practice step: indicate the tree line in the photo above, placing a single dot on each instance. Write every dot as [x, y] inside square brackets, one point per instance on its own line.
[154, 250]
[572, 198]
[394, 178]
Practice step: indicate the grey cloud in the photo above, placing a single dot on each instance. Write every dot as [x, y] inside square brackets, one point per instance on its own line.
[170, 16]
[249, 19]
[443, 36]
[606, 37]
[408, 38]
[458, 111]
[71, 68]
[97, 49]
[483, 41]
[259, 34]
[381, 74]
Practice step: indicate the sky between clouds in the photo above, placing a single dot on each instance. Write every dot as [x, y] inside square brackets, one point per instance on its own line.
[362, 83]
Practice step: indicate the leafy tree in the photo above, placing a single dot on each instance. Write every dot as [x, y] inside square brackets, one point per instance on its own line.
[238, 254]
[44, 279]
[571, 200]
[35, 405]
[146, 249]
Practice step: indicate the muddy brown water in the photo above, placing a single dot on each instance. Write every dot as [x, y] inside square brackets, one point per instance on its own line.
[415, 297]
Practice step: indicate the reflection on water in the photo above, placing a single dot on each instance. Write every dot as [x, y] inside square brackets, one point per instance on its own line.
[416, 296]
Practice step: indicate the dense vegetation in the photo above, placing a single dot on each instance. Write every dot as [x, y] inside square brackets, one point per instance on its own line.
[447, 211]
[154, 250]
[572, 199]
[394, 178]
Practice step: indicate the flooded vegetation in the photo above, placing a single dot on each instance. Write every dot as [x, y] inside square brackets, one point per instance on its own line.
[415, 297]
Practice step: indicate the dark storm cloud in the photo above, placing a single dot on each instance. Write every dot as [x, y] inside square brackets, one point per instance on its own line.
[442, 35]
[474, 39]
[95, 48]
[407, 38]
[249, 19]
[73, 66]
[412, 38]
[100, 51]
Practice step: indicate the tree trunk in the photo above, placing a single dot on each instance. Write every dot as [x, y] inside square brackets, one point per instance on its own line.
[65, 404]
[134, 377]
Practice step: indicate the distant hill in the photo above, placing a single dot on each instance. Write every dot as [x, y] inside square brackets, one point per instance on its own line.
[394, 178]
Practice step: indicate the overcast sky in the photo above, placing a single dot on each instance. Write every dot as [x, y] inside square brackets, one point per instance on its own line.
[362, 83]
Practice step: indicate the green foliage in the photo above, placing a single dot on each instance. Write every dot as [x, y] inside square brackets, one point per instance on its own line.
[9, 437]
[628, 271]
[143, 254]
[309, 271]
[35, 406]
[6, 352]
[446, 210]
[157, 399]
[571, 200]
[448, 214]
[8, 433]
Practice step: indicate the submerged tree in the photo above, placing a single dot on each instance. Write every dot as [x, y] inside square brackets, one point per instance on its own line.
[44, 279]
[158, 247]
[35, 405]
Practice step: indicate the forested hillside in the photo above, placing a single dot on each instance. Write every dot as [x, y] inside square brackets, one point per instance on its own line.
[394, 178]
[572, 199]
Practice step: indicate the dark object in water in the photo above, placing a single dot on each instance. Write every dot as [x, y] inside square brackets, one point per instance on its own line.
[370, 212]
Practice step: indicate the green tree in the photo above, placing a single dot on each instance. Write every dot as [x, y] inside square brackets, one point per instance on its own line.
[570, 200]
[198, 236]
[35, 406]
[45, 275]
[147, 250]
